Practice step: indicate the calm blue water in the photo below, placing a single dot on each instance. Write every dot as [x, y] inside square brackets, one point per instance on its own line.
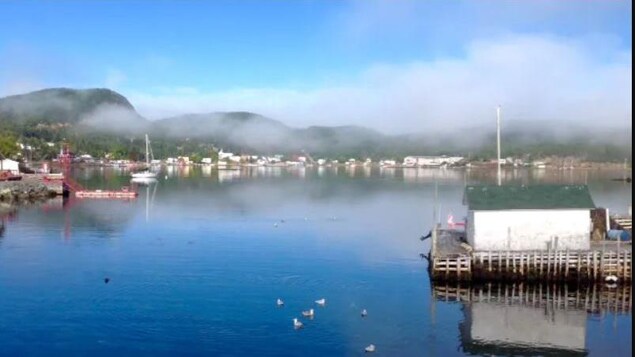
[198, 260]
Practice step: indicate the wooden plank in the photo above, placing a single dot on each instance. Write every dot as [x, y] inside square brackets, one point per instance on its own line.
[566, 272]
[548, 263]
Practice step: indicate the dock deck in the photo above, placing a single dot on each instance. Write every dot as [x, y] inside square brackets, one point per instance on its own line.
[453, 260]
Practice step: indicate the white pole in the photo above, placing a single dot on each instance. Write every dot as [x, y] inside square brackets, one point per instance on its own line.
[147, 158]
[498, 144]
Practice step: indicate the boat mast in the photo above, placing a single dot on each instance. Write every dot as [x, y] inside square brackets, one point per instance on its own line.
[147, 157]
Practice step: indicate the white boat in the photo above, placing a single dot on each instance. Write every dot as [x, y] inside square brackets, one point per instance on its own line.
[144, 180]
[146, 173]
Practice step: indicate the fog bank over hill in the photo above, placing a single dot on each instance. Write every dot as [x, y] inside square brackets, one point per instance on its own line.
[102, 111]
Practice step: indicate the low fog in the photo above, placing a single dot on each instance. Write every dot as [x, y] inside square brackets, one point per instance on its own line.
[533, 77]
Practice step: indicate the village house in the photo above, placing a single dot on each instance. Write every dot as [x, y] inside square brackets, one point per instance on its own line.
[183, 160]
[10, 165]
[224, 155]
[536, 217]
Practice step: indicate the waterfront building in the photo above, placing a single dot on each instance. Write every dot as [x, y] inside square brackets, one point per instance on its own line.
[536, 217]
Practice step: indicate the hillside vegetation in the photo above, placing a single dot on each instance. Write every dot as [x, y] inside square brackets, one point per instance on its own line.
[101, 121]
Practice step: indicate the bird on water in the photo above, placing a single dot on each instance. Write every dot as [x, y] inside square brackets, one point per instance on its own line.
[297, 324]
[279, 302]
[308, 313]
[370, 348]
[364, 313]
[321, 302]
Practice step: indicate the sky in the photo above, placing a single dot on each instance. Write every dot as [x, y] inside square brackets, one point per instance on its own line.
[396, 66]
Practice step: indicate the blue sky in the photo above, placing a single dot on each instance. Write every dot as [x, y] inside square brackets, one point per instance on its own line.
[316, 61]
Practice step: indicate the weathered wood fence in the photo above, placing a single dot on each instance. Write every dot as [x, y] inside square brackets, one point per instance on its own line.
[546, 266]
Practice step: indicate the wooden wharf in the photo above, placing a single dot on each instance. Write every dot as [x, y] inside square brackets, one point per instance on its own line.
[450, 259]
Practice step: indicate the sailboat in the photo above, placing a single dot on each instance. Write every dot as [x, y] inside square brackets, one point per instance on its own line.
[146, 173]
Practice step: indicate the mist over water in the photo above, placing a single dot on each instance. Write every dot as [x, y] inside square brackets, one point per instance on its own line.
[197, 262]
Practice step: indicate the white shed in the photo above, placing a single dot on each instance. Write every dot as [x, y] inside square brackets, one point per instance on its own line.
[536, 217]
[10, 165]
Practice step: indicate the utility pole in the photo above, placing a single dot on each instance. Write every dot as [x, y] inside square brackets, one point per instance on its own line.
[498, 144]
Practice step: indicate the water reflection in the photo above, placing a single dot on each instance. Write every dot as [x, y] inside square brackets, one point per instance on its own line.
[501, 319]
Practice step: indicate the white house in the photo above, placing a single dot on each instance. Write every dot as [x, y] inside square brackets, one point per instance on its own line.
[224, 155]
[536, 217]
[206, 160]
[10, 165]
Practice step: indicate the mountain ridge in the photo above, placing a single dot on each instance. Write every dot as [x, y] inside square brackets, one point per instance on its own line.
[100, 110]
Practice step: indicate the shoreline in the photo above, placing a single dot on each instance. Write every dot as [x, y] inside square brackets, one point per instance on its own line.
[31, 188]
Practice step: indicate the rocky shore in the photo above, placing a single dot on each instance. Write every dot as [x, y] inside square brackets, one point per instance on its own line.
[19, 191]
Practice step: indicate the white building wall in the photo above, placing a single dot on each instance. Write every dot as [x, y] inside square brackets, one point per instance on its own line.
[529, 229]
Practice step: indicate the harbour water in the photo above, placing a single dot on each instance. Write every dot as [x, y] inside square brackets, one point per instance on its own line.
[197, 261]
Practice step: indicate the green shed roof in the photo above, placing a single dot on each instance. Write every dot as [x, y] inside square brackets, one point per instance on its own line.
[527, 197]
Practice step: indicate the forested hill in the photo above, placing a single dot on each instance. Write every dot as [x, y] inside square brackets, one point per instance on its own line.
[101, 121]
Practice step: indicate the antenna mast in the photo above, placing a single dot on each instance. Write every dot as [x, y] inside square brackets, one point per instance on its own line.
[498, 144]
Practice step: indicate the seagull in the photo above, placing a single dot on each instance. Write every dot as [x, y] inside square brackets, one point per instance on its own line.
[279, 302]
[370, 348]
[321, 302]
[297, 324]
[364, 313]
[309, 313]
[611, 279]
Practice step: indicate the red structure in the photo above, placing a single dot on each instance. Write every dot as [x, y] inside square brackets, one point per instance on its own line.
[66, 158]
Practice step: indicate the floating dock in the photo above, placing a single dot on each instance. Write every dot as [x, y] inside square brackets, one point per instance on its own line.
[452, 260]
